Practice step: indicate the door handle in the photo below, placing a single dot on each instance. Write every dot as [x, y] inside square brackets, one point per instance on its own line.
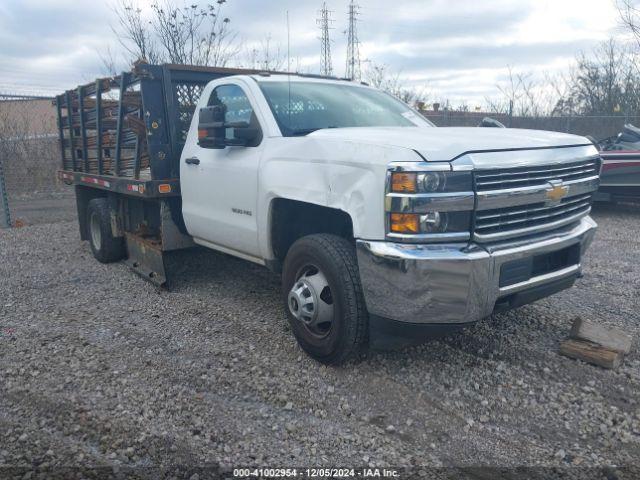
[192, 161]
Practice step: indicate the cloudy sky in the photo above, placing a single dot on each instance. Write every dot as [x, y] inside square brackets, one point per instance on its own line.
[457, 49]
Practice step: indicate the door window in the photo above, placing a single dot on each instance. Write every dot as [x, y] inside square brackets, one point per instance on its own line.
[238, 106]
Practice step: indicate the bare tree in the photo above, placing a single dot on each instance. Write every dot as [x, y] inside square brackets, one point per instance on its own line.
[629, 11]
[381, 76]
[266, 56]
[604, 82]
[558, 90]
[520, 95]
[109, 62]
[187, 34]
[134, 32]
[497, 105]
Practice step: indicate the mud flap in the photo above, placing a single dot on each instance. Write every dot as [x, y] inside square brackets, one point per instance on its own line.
[146, 258]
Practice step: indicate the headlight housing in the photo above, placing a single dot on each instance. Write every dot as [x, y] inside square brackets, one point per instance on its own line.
[431, 222]
[428, 202]
[430, 182]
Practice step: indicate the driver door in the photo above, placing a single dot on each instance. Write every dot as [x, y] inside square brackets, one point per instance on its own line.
[220, 185]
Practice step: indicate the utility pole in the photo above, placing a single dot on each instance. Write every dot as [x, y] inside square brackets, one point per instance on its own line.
[326, 66]
[352, 70]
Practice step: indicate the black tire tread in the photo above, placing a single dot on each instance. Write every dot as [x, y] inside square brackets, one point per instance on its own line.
[344, 252]
[112, 248]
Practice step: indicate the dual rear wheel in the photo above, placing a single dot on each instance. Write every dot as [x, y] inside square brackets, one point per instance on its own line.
[105, 247]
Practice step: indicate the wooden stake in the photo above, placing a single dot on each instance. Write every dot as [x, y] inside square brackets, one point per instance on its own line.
[610, 338]
[591, 353]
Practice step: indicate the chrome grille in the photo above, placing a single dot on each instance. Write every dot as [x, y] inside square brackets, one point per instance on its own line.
[528, 176]
[515, 202]
[515, 221]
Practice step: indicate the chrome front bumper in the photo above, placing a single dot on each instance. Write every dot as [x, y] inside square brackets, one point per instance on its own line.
[456, 283]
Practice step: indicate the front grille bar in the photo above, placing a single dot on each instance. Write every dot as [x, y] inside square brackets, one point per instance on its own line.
[562, 176]
[513, 202]
[490, 173]
[519, 232]
[520, 211]
[529, 220]
[521, 176]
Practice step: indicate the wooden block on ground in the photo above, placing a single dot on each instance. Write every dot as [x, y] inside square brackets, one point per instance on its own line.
[591, 353]
[610, 338]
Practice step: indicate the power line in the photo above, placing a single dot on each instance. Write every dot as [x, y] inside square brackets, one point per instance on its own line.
[353, 70]
[326, 66]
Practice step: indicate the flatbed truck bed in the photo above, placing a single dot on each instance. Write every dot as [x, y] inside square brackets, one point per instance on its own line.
[121, 139]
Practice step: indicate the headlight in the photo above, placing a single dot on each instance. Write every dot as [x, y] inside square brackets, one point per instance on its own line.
[429, 203]
[434, 222]
[430, 222]
[430, 182]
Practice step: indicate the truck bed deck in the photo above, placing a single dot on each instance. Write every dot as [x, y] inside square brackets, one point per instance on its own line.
[125, 134]
[121, 139]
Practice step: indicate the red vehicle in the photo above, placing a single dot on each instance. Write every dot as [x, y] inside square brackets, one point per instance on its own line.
[620, 178]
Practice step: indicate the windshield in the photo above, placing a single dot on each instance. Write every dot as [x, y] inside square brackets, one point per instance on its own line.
[303, 107]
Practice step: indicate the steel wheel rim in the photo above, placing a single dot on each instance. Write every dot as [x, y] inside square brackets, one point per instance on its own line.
[310, 301]
[96, 233]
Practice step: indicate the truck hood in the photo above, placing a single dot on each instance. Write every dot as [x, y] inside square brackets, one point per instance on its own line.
[448, 143]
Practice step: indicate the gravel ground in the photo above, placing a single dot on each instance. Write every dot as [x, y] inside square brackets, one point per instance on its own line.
[99, 368]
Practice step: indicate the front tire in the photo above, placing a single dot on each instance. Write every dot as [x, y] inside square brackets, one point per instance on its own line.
[105, 247]
[323, 297]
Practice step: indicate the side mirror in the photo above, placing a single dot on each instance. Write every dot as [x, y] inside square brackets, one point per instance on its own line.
[212, 130]
[211, 127]
[491, 122]
[244, 135]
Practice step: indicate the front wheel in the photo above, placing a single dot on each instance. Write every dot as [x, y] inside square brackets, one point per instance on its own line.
[323, 297]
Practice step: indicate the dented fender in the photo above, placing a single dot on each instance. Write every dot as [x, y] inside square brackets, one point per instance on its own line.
[344, 175]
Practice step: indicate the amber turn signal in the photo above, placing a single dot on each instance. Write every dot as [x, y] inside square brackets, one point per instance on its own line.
[403, 182]
[405, 223]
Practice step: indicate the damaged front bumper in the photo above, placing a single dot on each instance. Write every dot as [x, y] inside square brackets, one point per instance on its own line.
[440, 287]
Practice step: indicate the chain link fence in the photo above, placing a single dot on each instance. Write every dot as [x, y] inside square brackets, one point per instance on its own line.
[596, 126]
[29, 154]
[5, 214]
[31, 168]
[28, 169]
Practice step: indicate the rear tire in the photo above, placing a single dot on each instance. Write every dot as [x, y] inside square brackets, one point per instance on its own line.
[105, 247]
[323, 297]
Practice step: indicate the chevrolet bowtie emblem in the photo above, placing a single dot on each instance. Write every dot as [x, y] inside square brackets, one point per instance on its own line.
[557, 192]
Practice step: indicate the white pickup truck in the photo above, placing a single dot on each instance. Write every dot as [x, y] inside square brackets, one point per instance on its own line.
[386, 229]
